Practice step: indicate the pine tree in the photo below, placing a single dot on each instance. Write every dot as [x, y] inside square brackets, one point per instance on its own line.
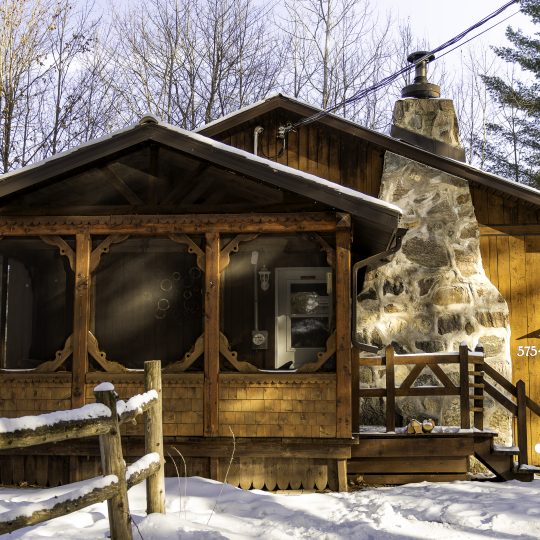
[513, 147]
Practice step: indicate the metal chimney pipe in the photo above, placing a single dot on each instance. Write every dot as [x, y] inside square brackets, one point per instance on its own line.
[421, 87]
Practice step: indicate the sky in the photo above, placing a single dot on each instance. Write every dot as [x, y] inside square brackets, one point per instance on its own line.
[435, 21]
[439, 21]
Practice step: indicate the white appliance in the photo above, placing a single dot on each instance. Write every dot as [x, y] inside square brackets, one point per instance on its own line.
[303, 314]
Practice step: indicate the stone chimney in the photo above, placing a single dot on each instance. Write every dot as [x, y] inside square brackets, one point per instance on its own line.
[433, 294]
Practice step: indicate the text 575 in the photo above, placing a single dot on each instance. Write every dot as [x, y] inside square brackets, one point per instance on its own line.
[527, 350]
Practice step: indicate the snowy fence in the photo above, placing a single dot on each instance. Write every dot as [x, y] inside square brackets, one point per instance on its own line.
[97, 420]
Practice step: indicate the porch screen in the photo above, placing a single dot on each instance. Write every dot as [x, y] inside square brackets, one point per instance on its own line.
[36, 292]
[148, 301]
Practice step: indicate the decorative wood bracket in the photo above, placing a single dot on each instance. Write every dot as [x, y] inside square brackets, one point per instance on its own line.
[60, 357]
[322, 357]
[62, 246]
[232, 247]
[101, 358]
[325, 246]
[192, 247]
[232, 356]
[188, 359]
[103, 247]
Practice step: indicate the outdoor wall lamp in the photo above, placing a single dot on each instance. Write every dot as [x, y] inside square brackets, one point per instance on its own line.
[264, 277]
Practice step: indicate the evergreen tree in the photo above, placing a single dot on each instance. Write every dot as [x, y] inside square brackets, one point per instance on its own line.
[513, 148]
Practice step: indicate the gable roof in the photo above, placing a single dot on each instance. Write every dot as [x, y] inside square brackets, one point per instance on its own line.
[446, 164]
[377, 220]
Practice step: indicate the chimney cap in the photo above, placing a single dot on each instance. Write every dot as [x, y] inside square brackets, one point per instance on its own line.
[421, 87]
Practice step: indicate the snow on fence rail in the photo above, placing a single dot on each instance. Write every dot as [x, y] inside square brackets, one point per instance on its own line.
[91, 420]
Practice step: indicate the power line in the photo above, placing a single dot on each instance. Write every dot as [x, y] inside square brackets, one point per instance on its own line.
[477, 35]
[391, 78]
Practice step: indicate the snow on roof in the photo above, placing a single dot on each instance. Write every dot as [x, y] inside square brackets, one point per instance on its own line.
[87, 412]
[242, 110]
[326, 185]
[278, 167]
[6, 176]
[496, 178]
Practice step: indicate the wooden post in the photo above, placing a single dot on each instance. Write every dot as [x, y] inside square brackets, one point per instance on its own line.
[211, 334]
[112, 462]
[522, 423]
[341, 467]
[355, 390]
[464, 396]
[478, 385]
[343, 333]
[153, 438]
[390, 389]
[81, 318]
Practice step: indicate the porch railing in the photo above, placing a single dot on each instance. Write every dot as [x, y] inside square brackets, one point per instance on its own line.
[476, 378]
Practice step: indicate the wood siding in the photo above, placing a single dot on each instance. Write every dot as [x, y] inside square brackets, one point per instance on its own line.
[278, 405]
[315, 149]
[511, 262]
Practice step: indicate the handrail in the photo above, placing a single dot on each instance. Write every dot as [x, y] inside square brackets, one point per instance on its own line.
[479, 385]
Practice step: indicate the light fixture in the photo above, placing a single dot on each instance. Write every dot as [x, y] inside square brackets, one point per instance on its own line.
[264, 277]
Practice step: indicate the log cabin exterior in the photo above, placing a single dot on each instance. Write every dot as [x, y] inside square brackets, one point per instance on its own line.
[159, 243]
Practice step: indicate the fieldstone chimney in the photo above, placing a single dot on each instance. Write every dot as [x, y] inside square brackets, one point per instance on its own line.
[433, 294]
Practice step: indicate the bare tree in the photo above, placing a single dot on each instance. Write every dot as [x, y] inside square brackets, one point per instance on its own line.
[335, 48]
[24, 28]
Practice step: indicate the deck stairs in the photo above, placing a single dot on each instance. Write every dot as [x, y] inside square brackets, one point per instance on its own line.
[395, 458]
[391, 456]
[502, 462]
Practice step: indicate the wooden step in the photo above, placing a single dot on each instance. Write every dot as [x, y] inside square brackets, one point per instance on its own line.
[410, 465]
[505, 450]
[398, 479]
[525, 473]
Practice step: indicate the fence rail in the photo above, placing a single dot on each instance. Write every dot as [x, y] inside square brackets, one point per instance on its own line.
[105, 421]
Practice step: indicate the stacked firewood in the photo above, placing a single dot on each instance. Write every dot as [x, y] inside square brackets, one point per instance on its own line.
[415, 427]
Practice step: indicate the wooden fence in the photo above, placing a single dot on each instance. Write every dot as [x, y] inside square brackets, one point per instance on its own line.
[472, 367]
[116, 480]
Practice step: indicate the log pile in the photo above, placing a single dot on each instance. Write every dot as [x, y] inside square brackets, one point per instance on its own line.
[415, 427]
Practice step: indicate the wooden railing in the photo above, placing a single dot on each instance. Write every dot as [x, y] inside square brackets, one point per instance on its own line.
[117, 479]
[473, 371]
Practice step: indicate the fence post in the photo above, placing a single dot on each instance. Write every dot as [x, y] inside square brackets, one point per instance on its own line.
[522, 423]
[112, 462]
[464, 396]
[153, 439]
[390, 389]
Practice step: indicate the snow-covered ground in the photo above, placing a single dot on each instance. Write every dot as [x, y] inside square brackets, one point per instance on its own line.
[464, 510]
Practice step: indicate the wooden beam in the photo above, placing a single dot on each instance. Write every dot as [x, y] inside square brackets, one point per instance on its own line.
[168, 224]
[343, 334]
[183, 186]
[120, 185]
[81, 317]
[211, 334]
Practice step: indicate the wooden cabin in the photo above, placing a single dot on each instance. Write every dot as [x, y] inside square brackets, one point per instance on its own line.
[235, 271]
